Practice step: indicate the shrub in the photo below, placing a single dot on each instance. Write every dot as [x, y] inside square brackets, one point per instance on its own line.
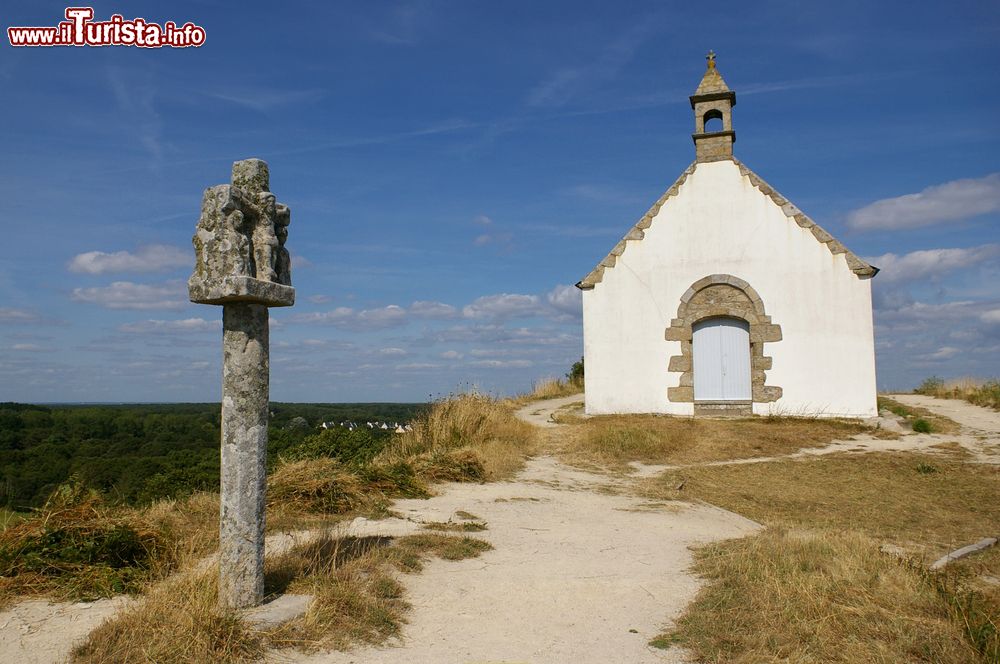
[77, 547]
[931, 386]
[575, 375]
[922, 426]
[356, 446]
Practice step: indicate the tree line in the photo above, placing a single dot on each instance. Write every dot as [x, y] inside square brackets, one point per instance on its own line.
[140, 453]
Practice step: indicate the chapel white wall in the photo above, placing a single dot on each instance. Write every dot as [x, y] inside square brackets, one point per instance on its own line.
[719, 223]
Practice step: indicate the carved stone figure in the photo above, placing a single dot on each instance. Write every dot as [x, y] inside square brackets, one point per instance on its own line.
[239, 256]
[282, 261]
[265, 241]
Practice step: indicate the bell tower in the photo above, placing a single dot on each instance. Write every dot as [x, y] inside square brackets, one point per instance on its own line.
[713, 101]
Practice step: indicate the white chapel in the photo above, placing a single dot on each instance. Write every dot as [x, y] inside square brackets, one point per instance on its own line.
[725, 298]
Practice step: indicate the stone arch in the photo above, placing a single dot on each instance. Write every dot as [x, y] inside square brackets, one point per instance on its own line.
[722, 295]
[712, 114]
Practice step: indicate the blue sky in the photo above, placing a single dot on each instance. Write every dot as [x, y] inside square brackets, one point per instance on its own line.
[454, 167]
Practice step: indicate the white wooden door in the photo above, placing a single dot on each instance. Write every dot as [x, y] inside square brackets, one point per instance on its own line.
[721, 360]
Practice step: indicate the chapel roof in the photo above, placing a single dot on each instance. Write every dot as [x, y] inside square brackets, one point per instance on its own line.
[637, 232]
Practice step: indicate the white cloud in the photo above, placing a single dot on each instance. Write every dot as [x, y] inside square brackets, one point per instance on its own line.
[391, 352]
[320, 299]
[503, 306]
[347, 318]
[931, 262]
[183, 326]
[8, 315]
[944, 353]
[428, 309]
[566, 299]
[128, 295]
[502, 240]
[27, 348]
[482, 220]
[451, 355]
[958, 199]
[389, 316]
[921, 311]
[416, 366]
[151, 258]
[991, 316]
[299, 262]
[501, 364]
[338, 316]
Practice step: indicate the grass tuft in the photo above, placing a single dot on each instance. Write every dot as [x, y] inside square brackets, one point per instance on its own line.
[919, 419]
[357, 598]
[799, 595]
[177, 621]
[617, 439]
[444, 439]
[451, 526]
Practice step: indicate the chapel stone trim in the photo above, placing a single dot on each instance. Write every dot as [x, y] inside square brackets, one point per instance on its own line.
[722, 296]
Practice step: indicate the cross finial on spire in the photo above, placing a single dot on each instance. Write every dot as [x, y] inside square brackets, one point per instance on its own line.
[711, 59]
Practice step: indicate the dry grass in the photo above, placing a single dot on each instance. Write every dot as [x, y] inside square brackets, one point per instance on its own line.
[914, 414]
[177, 621]
[356, 599]
[325, 486]
[190, 526]
[816, 577]
[548, 388]
[807, 596]
[974, 390]
[464, 424]
[455, 526]
[76, 547]
[615, 440]
[80, 547]
[929, 505]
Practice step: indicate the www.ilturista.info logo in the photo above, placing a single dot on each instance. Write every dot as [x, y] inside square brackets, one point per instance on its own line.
[79, 29]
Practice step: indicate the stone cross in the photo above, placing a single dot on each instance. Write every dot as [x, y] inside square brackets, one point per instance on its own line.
[241, 263]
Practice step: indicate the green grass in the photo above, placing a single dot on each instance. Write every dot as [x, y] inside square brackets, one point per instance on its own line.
[9, 517]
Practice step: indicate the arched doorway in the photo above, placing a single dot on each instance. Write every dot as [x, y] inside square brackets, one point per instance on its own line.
[721, 359]
[722, 296]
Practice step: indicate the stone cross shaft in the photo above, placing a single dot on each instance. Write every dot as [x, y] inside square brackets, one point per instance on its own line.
[241, 263]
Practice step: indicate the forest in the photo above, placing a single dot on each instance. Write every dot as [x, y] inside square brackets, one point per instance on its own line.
[139, 453]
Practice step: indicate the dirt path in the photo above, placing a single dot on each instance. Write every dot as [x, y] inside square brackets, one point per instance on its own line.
[978, 420]
[540, 413]
[37, 631]
[980, 433]
[580, 572]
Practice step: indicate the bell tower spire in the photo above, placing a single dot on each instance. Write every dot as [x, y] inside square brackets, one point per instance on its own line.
[713, 100]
